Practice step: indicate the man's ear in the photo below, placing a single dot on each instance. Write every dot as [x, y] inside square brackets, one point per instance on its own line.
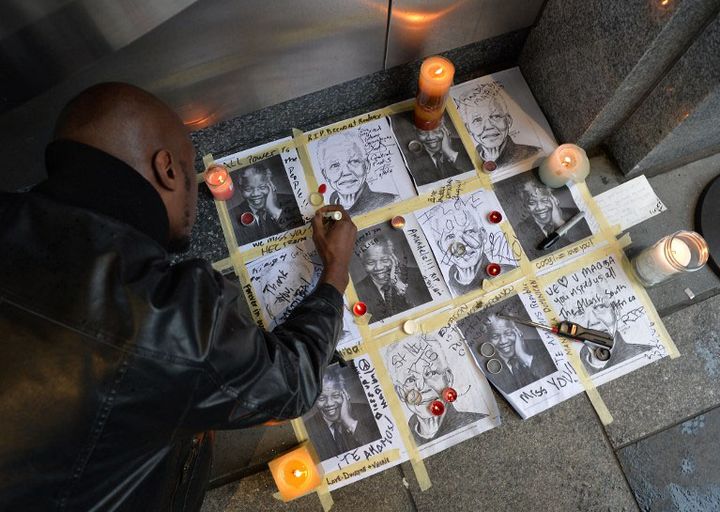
[509, 120]
[449, 377]
[164, 170]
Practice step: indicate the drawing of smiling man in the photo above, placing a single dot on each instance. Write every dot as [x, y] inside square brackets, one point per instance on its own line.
[420, 372]
[462, 240]
[488, 120]
[344, 165]
[541, 209]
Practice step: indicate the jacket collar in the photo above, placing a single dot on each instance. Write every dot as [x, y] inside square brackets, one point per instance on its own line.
[86, 177]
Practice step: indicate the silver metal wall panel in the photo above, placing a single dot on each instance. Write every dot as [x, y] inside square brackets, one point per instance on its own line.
[424, 27]
[212, 61]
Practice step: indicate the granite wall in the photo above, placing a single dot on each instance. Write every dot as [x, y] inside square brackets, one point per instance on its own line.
[598, 70]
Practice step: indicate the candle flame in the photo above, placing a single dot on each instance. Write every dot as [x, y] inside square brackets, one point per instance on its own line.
[566, 161]
[297, 473]
[439, 71]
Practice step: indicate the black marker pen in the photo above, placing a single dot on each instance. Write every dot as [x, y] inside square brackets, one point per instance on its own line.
[555, 235]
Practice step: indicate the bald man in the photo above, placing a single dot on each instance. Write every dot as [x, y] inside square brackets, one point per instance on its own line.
[116, 362]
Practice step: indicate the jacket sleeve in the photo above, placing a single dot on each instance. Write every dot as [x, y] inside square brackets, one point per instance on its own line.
[249, 375]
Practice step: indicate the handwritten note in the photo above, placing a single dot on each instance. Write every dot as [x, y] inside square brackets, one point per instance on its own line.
[630, 203]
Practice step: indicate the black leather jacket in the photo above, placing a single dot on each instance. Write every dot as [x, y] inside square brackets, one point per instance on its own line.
[113, 358]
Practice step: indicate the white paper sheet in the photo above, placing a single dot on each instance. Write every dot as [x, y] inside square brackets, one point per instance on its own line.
[630, 203]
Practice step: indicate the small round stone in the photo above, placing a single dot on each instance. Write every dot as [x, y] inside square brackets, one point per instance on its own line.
[489, 166]
[487, 349]
[413, 397]
[449, 394]
[247, 219]
[415, 146]
[322, 188]
[457, 249]
[494, 366]
[316, 199]
[495, 217]
[398, 222]
[359, 309]
[437, 408]
[602, 353]
[409, 327]
[493, 269]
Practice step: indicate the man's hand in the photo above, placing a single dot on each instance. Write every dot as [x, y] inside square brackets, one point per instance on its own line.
[395, 276]
[446, 146]
[557, 219]
[334, 241]
[272, 205]
[346, 414]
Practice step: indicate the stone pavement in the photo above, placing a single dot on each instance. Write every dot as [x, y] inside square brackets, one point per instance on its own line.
[660, 453]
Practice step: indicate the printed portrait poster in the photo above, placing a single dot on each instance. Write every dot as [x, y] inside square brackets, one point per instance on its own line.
[504, 121]
[528, 366]
[433, 157]
[394, 272]
[600, 296]
[362, 168]
[465, 242]
[282, 279]
[270, 195]
[535, 210]
[351, 427]
[421, 368]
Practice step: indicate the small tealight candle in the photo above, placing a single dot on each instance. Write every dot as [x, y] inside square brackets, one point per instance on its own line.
[219, 182]
[296, 473]
[684, 251]
[567, 163]
[436, 76]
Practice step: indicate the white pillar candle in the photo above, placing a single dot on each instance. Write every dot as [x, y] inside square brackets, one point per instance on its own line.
[567, 163]
[684, 251]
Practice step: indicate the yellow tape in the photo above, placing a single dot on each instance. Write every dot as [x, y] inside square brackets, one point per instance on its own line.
[300, 140]
[322, 490]
[223, 264]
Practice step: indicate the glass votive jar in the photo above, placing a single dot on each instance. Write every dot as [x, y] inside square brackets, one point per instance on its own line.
[684, 251]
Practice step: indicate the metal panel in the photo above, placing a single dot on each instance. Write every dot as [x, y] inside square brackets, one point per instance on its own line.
[214, 60]
[424, 27]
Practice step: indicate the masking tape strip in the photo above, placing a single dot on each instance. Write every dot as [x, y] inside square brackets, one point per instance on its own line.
[322, 490]
[300, 140]
[467, 141]
[373, 352]
[356, 121]
[222, 264]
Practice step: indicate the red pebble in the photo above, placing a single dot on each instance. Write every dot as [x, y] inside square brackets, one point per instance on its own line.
[437, 408]
[449, 394]
[322, 188]
[495, 217]
[247, 218]
[493, 269]
[359, 309]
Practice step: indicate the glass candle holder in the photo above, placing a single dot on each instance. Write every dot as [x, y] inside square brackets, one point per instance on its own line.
[436, 76]
[219, 182]
[684, 251]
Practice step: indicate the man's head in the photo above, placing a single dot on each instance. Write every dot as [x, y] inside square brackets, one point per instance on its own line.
[333, 394]
[431, 139]
[503, 334]
[255, 185]
[537, 202]
[343, 162]
[419, 364]
[486, 115]
[602, 314]
[378, 260]
[139, 129]
[460, 225]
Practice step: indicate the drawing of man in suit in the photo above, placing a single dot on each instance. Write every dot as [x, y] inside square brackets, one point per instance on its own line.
[523, 361]
[441, 156]
[543, 213]
[336, 425]
[344, 164]
[390, 286]
[603, 315]
[468, 265]
[488, 120]
[418, 365]
[273, 212]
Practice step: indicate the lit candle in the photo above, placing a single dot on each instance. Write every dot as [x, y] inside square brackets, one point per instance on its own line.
[684, 251]
[296, 473]
[218, 181]
[567, 163]
[436, 76]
